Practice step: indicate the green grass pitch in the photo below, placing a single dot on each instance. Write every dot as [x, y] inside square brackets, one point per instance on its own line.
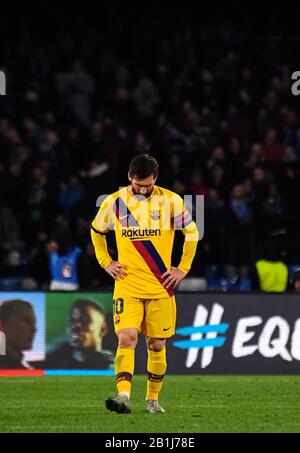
[194, 404]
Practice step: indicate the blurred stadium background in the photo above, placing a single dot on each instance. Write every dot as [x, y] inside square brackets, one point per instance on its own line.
[208, 95]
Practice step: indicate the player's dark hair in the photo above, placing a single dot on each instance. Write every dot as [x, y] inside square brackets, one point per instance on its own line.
[143, 166]
[84, 303]
[8, 308]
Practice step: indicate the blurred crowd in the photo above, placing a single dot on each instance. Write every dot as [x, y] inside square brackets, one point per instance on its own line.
[212, 103]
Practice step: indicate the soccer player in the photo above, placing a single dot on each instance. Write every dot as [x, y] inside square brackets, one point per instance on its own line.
[144, 217]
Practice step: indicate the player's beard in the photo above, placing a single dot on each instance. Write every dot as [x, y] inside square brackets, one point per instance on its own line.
[146, 195]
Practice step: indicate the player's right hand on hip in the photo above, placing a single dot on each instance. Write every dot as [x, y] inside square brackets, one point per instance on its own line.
[117, 270]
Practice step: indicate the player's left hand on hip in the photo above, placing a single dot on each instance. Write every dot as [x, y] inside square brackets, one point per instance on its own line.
[173, 277]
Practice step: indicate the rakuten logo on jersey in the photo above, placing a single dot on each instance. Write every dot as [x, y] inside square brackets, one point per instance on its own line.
[127, 233]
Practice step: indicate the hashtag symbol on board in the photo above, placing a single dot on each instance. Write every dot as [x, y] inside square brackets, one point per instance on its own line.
[204, 335]
[216, 342]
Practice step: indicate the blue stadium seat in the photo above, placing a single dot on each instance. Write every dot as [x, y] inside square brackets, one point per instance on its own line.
[228, 284]
[212, 271]
[292, 269]
[245, 284]
[222, 284]
[10, 284]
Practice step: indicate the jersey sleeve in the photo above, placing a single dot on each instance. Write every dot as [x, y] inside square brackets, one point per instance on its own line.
[181, 216]
[183, 221]
[104, 219]
[100, 226]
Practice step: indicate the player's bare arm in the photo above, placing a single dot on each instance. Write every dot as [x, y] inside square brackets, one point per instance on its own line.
[173, 277]
[117, 270]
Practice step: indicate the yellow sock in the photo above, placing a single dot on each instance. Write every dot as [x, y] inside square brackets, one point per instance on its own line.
[124, 367]
[156, 366]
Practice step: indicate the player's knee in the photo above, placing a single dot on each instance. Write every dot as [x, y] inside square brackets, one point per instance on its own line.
[156, 344]
[127, 340]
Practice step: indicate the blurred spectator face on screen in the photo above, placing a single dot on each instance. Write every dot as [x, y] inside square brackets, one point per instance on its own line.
[87, 326]
[17, 321]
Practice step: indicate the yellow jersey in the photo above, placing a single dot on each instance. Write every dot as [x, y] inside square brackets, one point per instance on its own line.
[145, 230]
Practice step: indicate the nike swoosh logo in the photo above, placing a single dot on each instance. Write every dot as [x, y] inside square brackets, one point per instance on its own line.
[166, 329]
[123, 217]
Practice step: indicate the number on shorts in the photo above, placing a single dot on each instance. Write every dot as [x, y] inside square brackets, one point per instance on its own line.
[119, 306]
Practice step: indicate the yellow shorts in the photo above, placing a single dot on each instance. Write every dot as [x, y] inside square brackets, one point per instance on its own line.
[154, 318]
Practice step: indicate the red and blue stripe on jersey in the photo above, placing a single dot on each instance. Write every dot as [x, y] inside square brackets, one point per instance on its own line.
[145, 247]
[182, 220]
